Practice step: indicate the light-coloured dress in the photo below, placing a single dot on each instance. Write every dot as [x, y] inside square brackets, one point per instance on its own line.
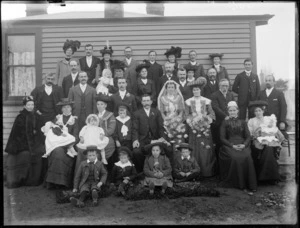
[203, 148]
[91, 136]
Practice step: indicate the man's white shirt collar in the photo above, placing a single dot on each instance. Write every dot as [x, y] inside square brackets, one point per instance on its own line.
[88, 161]
[248, 73]
[83, 87]
[152, 62]
[147, 111]
[122, 93]
[188, 158]
[193, 63]
[48, 89]
[269, 91]
[182, 83]
[128, 61]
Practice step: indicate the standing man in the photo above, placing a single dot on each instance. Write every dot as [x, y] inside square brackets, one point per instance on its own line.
[169, 68]
[122, 96]
[199, 67]
[46, 97]
[148, 125]
[184, 89]
[219, 101]
[212, 84]
[246, 85]
[91, 65]
[72, 79]
[130, 66]
[155, 71]
[276, 102]
[84, 97]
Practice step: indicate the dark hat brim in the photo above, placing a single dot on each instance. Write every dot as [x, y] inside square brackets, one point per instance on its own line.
[123, 104]
[174, 51]
[91, 148]
[63, 103]
[216, 55]
[199, 82]
[141, 66]
[258, 103]
[183, 146]
[126, 150]
[103, 98]
[148, 147]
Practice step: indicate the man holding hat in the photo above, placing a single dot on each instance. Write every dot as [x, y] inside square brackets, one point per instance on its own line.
[186, 167]
[123, 96]
[89, 178]
[84, 97]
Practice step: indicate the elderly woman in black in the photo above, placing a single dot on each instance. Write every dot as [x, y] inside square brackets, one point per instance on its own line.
[24, 161]
[60, 164]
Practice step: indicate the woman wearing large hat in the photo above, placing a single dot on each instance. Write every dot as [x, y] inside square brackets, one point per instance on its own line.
[144, 84]
[24, 160]
[172, 55]
[264, 156]
[221, 70]
[106, 62]
[63, 68]
[199, 117]
[60, 164]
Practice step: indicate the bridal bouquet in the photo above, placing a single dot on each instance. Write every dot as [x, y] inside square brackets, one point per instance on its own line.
[175, 129]
[200, 124]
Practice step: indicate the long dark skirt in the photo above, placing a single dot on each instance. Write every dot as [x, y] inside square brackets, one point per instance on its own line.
[23, 170]
[237, 168]
[203, 152]
[60, 168]
[267, 167]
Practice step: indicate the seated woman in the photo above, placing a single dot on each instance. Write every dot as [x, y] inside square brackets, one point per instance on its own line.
[60, 164]
[24, 160]
[264, 156]
[171, 105]
[236, 164]
[157, 168]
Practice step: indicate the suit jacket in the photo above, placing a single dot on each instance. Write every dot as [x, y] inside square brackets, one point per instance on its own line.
[91, 71]
[199, 71]
[147, 128]
[190, 165]
[68, 83]
[100, 174]
[155, 72]
[149, 88]
[38, 92]
[118, 135]
[89, 98]
[209, 89]
[163, 80]
[118, 173]
[276, 104]
[222, 73]
[131, 75]
[186, 91]
[219, 105]
[247, 88]
[128, 99]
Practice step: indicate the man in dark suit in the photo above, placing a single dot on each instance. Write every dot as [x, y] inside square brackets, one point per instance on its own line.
[123, 96]
[166, 77]
[91, 65]
[184, 89]
[193, 63]
[130, 66]
[84, 97]
[247, 86]
[155, 71]
[212, 84]
[219, 101]
[148, 125]
[45, 99]
[72, 79]
[276, 102]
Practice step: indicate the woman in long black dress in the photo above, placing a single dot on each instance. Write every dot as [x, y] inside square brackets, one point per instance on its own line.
[236, 164]
[264, 156]
[60, 165]
[24, 161]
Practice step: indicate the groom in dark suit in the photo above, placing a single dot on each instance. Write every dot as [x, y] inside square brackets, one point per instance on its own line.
[123, 96]
[184, 89]
[212, 83]
[247, 86]
[91, 65]
[276, 102]
[148, 125]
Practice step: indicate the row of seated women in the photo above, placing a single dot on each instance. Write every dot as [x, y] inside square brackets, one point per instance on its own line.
[248, 152]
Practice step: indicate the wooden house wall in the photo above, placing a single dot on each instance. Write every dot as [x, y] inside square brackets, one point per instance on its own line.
[233, 38]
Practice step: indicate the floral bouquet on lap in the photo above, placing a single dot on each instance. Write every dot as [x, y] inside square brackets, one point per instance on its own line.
[175, 129]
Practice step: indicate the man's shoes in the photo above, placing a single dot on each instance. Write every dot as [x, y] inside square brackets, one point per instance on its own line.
[76, 202]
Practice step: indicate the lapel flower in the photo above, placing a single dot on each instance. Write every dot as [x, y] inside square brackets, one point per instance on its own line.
[127, 95]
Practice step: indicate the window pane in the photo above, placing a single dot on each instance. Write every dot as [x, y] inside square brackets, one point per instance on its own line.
[21, 80]
[21, 50]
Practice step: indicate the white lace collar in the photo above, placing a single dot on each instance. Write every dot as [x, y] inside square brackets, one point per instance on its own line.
[123, 120]
[120, 164]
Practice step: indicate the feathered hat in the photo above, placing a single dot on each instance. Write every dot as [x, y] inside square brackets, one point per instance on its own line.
[145, 64]
[174, 51]
[199, 82]
[212, 56]
[73, 44]
[117, 64]
[27, 99]
[107, 50]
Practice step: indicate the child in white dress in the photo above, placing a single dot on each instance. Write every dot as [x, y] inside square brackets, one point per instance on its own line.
[92, 134]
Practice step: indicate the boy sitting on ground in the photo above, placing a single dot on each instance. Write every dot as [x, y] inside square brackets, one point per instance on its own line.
[89, 178]
[186, 167]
